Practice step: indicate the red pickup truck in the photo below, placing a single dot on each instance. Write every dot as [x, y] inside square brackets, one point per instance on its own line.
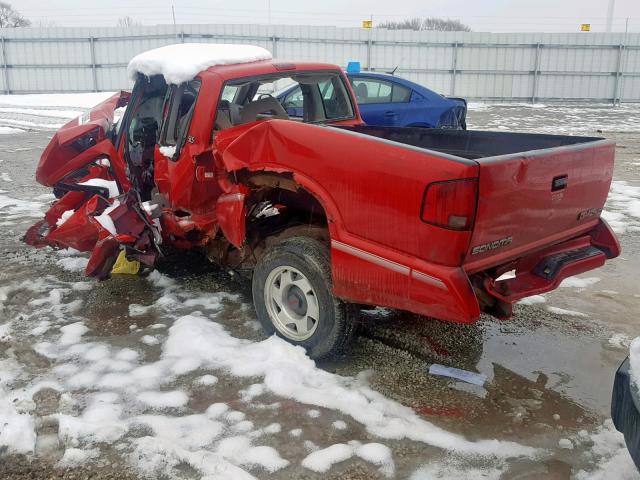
[330, 215]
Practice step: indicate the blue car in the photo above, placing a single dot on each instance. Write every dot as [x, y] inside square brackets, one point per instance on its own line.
[387, 100]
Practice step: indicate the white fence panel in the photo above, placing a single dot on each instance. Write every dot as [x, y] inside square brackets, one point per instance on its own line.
[533, 67]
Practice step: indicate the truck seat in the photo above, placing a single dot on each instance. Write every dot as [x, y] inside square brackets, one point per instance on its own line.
[251, 111]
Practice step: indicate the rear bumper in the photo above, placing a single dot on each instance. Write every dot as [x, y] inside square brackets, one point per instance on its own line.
[544, 270]
[367, 274]
[624, 411]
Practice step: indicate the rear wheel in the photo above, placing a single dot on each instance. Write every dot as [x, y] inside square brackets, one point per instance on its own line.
[293, 297]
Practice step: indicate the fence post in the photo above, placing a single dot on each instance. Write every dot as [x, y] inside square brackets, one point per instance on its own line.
[454, 70]
[181, 36]
[369, 45]
[274, 46]
[93, 63]
[536, 73]
[5, 69]
[616, 86]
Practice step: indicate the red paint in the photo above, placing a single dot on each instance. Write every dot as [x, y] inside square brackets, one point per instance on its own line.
[426, 411]
[403, 221]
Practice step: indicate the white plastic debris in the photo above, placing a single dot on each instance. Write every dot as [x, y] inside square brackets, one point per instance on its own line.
[464, 375]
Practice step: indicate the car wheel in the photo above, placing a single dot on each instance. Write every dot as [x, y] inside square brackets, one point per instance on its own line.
[293, 297]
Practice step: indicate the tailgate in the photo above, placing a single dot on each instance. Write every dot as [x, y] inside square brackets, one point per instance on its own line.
[527, 201]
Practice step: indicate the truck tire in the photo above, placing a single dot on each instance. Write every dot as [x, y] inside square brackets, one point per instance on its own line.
[293, 298]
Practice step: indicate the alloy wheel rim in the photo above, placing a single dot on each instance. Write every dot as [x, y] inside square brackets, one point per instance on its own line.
[292, 303]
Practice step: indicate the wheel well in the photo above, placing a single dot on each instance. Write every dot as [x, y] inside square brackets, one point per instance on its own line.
[278, 208]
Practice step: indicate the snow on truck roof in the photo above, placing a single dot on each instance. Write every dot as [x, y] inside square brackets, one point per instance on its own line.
[182, 62]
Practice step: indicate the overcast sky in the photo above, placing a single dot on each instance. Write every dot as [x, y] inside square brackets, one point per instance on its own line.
[480, 15]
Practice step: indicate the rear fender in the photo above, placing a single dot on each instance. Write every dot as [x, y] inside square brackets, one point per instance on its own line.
[259, 147]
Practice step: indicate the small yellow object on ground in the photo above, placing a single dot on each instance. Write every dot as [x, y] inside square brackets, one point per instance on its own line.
[124, 266]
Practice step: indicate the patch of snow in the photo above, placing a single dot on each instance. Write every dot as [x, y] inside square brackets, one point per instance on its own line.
[105, 220]
[36, 112]
[313, 413]
[339, 425]
[44, 197]
[565, 443]
[252, 391]
[77, 457]
[576, 282]
[623, 207]
[82, 100]
[150, 340]
[73, 264]
[449, 470]
[10, 130]
[609, 455]
[136, 310]
[289, 373]
[173, 399]
[619, 340]
[380, 455]
[562, 311]
[207, 380]
[110, 185]
[240, 451]
[17, 427]
[322, 460]
[100, 422]
[5, 177]
[182, 62]
[168, 151]
[532, 300]
[295, 432]
[13, 208]
[66, 215]
[4, 332]
[72, 333]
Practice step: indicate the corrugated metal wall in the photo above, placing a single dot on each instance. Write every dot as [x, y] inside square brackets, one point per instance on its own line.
[484, 66]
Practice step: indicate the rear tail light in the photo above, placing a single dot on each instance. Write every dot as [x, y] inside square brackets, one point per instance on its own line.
[451, 204]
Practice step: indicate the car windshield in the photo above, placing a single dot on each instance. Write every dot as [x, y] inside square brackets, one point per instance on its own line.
[312, 97]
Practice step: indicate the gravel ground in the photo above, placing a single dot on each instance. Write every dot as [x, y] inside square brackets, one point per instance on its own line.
[549, 374]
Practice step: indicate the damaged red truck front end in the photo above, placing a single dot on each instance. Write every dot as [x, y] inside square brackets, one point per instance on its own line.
[97, 211]
[327, 213]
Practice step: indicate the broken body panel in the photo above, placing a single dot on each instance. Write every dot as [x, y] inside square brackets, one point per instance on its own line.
[363, 190]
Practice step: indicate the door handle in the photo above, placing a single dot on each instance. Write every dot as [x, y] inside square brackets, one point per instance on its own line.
[390, 114]
[559, 183]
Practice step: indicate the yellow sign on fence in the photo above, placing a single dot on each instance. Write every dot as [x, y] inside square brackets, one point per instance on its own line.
[367, 24]
[585, 27]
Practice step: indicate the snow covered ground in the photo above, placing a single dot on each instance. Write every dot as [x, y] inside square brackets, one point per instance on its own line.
[170, 376]
[44, 111]
[564, 119]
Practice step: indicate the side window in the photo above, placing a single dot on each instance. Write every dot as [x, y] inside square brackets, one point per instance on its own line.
[182, 102]
[400, 94]
[229, 92]
[334, 99]
[326, 90]
[372, 91]
[294, 99]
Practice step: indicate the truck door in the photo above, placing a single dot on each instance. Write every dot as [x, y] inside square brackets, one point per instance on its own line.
[184, 164]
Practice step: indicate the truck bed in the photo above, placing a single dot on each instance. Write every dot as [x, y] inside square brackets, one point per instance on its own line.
[470, 144]
[533, 190]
